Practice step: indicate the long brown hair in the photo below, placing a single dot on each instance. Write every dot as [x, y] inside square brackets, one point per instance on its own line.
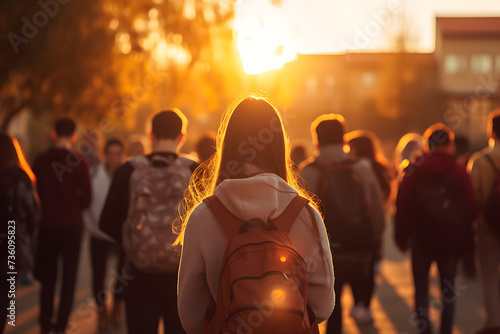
[251, 131]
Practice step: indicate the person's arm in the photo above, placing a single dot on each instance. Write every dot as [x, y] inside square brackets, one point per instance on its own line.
[374, 197]
[404, 211]
[475, 171]
[312, 244]
[193, 296]
[469, 193]
[310, 174]
[85, 188]
[115, 209]
[29, 204]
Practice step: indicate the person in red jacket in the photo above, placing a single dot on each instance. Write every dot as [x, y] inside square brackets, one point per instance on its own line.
[436, 207]
[63, 184]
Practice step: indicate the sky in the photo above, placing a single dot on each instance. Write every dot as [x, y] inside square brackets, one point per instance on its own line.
[327, 26]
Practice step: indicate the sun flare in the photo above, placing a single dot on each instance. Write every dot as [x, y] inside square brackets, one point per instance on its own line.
[264, 37]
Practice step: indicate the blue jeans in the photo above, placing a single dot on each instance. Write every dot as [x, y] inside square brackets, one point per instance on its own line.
[421, 263]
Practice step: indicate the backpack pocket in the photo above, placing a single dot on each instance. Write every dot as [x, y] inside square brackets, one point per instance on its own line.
[269, 303]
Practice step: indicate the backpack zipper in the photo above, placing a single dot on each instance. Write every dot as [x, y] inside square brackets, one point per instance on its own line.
[263, 307]
[293, 251]
[255, 278]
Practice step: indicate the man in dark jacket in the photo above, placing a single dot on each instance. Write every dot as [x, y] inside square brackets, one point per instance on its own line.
[436, 206]
[148, 296]
[64, 188]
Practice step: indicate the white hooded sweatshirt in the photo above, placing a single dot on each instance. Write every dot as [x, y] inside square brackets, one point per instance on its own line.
[262, 196]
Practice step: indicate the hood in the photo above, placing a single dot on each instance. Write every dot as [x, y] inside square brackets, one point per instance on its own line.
[435, 163]
[261, 196]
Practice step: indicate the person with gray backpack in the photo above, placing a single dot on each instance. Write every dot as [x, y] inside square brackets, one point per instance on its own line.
[352, 206]
[142, 204]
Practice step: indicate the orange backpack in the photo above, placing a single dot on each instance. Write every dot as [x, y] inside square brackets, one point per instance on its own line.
[263, 282]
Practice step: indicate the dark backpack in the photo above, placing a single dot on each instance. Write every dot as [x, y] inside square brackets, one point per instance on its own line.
[346, 209]
[441, 212]
[263, 282]
[491, 210]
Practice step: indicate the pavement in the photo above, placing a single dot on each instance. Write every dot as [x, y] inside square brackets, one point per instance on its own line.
[392, 306]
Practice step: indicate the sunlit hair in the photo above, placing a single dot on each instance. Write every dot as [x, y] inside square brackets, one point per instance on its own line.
[366, 145]
[11, 155]
[328, 129]
[244, 121]
[409, 147]
[494, 123]
[437, 136]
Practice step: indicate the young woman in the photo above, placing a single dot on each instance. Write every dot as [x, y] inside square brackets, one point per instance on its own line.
[19, 214]
[251, 174]
[364, 145]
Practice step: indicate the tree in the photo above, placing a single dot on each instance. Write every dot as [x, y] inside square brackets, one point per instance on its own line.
[79, 56]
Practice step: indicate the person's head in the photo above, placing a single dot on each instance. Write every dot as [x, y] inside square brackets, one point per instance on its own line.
[251, 140]
[169, 126]
[494, 125]
[409, 148]
[251, 133]
[113, 154]
[64, 128]
[136, 148]
[362, 144]
[11, 155]
[328, 129]
[205, 147]
[299, 152]
[439, 138]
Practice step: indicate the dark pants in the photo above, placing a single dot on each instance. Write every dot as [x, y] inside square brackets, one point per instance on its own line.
[363, 292]
[352, 270]
[100, 251]
[55, 243]
[149, 297]
[421, 263]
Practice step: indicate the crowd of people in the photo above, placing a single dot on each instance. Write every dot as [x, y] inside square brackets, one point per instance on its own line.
[253, 235]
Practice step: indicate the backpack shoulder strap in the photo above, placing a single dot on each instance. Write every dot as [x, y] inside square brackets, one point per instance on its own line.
[492, 163]
[285, 221]
[227, 219]
[139, 162]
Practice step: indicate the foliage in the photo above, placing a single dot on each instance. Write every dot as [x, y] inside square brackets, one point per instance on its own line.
[85, 57]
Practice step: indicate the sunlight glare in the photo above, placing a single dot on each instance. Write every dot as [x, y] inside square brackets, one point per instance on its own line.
[264, 37]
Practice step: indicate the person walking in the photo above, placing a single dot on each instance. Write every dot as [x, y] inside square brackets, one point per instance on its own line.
[63, 184]
[364, 145]
[484, 168]
[101, 245]
[20, 217]
[353, 208]
[436, 206]
[251, 192]
[139, 211]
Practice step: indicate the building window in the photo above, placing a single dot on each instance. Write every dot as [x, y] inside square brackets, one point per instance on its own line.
[329, 82]
[481, 64]
[455, 64]
[311, 85]
[368, 79]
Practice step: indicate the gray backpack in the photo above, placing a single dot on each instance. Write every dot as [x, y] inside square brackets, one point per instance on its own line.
[155, 195]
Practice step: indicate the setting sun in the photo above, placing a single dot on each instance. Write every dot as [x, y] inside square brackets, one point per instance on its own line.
[264, 36]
